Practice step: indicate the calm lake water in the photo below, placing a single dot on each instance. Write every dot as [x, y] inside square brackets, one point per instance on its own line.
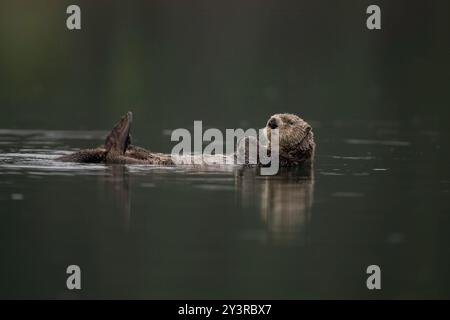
[378, 195]
[378, 101]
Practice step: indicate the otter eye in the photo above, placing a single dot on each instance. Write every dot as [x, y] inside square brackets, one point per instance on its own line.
[291, 122]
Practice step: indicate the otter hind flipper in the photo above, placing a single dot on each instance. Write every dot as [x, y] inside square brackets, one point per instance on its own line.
[119, 138]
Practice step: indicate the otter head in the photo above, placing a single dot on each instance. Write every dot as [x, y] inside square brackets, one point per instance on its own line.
[296, 138]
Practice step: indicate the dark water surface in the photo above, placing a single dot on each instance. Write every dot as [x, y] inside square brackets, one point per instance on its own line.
[378, 195]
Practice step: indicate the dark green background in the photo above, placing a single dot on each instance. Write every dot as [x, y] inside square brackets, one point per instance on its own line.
[378, 102]
[228, 63]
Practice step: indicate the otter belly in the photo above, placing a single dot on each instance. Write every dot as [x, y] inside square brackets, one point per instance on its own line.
[205, 160]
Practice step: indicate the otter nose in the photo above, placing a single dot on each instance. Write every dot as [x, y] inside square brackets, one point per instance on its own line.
[272, 123]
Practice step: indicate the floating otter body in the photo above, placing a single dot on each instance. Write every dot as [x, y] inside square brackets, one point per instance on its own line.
[296, 145]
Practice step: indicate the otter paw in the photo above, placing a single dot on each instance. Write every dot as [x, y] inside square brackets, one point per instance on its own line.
[247, 150]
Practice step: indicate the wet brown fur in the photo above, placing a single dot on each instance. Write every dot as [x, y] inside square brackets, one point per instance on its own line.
[296, 145]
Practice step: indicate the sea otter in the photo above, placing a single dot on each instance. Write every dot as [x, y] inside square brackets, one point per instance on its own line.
[296, 144]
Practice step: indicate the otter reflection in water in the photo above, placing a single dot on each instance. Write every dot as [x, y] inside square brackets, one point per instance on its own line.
[284, 201]
[118, 195]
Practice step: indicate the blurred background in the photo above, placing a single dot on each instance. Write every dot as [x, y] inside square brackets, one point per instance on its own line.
[378, 102]
[228, 63]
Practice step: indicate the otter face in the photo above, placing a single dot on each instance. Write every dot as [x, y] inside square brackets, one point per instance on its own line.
[296, 137]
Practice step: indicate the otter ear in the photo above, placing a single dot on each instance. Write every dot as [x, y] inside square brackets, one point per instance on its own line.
[119, 138]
